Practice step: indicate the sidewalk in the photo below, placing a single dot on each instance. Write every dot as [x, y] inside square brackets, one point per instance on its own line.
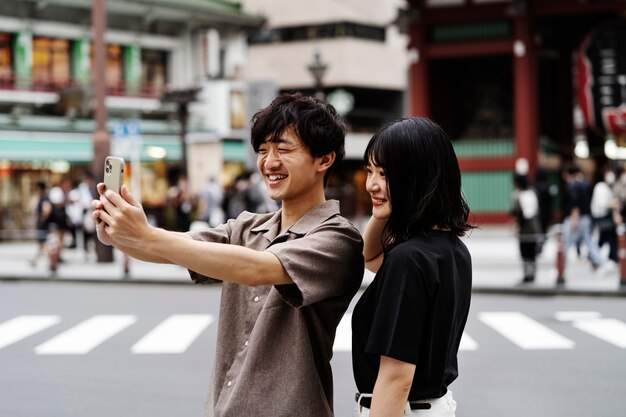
[495, 256]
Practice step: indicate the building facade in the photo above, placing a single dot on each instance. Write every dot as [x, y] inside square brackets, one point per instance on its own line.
[514, 80]
[153, 48]
[360, 56]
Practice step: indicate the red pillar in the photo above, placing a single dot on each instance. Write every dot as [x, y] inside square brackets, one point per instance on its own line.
[525, 91]
[418, 70]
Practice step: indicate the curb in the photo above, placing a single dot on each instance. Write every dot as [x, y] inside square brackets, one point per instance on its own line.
[551, 292]
[518, 291]
[97, 280]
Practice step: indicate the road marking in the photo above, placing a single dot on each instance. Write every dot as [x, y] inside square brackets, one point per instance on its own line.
[85, 336]
[610, 330]
[21, 327]
[524, 331]
[343, 335]
[576, 315]
[174, 335]
[467, 343]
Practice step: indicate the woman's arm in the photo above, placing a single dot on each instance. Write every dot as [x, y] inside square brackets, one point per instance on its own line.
[391, 391]
[372, 243]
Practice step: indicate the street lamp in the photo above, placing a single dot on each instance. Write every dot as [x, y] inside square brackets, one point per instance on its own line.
[317, 69]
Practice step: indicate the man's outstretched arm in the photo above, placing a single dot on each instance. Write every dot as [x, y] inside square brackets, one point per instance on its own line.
[125, 226]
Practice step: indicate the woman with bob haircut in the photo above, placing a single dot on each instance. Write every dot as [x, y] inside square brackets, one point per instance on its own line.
[407, 325]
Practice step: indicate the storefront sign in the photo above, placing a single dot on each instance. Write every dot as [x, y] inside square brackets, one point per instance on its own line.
[81, 61]
[23, 58]
[132, 68]
[602, 79]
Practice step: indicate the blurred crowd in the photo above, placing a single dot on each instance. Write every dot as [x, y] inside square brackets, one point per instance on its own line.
[591, 212]
[62, 221]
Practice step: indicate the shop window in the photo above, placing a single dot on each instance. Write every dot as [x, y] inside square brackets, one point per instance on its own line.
[153, 71]
[5, 59]
[114, 69]
[51, 63]
[323, 31]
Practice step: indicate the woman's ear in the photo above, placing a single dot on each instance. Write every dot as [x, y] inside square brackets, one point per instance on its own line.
[327, 161]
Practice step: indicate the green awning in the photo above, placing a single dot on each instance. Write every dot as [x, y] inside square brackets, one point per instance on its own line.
[235, 150]
[35, 146]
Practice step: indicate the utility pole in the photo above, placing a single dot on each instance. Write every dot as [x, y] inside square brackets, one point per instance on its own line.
[101, 140]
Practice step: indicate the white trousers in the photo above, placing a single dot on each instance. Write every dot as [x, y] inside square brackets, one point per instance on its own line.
[439, 407]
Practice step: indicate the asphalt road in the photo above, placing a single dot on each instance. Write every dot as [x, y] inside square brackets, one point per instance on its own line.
[152, 353]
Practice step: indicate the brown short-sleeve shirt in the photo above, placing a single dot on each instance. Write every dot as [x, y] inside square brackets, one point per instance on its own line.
[274, 343]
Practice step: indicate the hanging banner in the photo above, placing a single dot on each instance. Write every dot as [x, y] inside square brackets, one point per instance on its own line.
[23, 58]
[132, 68]
[602, 79]
[81, 61]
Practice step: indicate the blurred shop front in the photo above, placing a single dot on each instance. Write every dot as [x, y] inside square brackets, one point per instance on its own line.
[511, 80]
[28, 156]
[47, 94]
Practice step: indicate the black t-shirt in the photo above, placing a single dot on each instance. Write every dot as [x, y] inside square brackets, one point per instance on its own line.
[415, 311]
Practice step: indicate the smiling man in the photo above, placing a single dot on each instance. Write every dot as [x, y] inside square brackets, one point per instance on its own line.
[287, 277]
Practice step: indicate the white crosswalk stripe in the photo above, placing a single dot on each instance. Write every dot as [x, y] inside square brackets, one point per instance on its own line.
[467, 343]
[21, 327]
[524, 331]
[173, 335]
[86, 335]
[176, 333]
[610, 330]
[343, 336]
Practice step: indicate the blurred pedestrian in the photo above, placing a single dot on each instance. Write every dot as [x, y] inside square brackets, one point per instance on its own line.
[407, 326]
[81, 197]
[43, 211]
[604, 207]
[87, 191]
[68, 226]
[288, 277]
[619, 191]
[577, 223]
[59, 226]
[237, 196]
[75, 214]
[210, 203]
[525, 210]
[546, 195]
[180, 199]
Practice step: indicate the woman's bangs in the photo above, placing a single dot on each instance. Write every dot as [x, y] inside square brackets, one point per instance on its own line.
[375, 153]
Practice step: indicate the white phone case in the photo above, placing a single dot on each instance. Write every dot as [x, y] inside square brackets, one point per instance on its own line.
[113, 173]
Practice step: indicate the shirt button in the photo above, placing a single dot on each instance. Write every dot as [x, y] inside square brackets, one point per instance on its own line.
[256, 298]
[229, 383]
[246, 343]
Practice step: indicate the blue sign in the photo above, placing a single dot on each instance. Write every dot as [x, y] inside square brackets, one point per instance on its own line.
[129, 128]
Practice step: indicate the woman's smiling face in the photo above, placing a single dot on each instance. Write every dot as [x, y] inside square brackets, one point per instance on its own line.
[376, 186]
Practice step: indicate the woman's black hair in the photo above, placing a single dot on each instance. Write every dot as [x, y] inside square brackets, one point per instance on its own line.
[423, 179]
[316, 122]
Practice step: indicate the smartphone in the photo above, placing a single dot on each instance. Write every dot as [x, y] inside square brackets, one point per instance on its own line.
[113, 173]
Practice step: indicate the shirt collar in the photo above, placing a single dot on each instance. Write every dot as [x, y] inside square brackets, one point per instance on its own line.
[305, 224]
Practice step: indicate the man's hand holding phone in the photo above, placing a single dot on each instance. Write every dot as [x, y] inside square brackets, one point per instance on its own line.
[119, 217]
